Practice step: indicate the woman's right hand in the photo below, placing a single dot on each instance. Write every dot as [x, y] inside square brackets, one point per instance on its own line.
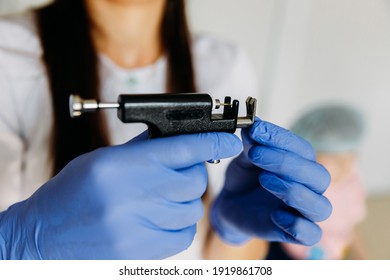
[139, 200]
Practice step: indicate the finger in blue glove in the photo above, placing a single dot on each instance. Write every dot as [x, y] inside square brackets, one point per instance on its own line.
[139, 200]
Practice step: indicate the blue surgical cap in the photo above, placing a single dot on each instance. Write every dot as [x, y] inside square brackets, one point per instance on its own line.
[331, 128]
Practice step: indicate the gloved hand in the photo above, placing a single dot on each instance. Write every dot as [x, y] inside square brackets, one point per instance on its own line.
[273, 190]
[139, 200]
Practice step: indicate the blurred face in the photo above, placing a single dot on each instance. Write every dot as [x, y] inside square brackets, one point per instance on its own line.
[338, 165]
[124, 2]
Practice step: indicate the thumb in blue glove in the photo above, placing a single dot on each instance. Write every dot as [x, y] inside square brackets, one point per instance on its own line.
[273, 190]
[139, 200]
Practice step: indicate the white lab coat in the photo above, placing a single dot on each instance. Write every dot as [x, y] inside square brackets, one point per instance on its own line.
[26, 116]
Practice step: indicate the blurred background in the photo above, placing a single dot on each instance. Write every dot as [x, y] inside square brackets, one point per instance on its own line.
[311, 52]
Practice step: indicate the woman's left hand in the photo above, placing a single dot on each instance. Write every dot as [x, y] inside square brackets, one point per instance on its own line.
[273, 190]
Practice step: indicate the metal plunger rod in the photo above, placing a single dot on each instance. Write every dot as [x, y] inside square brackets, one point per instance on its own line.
[77, 105]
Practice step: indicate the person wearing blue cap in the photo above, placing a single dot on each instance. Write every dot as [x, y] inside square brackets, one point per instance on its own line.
[335, 131]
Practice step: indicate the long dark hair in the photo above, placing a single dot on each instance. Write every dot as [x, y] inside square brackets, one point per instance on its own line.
[71, 62]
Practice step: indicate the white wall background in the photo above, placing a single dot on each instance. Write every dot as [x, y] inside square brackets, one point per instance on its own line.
[307, 52]
[11, 6]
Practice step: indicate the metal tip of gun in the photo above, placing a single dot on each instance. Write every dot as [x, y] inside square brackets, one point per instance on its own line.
[251, 104]
[78, 106]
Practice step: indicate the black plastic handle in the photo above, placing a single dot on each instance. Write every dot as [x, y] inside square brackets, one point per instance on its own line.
[171, 114]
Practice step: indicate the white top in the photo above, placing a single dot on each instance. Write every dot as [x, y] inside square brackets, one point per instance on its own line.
[26, 114]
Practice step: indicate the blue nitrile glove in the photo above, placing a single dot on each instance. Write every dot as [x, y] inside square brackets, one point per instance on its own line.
[273, 190]
[139, 200]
